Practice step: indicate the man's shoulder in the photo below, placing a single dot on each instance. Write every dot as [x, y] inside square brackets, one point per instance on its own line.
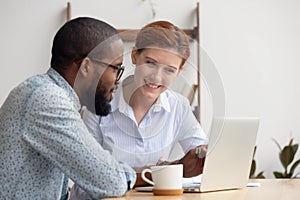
[43, 85]
[40, 89]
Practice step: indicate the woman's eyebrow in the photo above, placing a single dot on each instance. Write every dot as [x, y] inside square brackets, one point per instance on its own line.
[147, 57]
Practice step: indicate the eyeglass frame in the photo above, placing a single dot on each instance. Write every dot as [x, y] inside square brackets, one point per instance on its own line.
[115, 67]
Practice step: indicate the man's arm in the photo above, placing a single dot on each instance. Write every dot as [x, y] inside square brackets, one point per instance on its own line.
[55, 129]
[139, 181]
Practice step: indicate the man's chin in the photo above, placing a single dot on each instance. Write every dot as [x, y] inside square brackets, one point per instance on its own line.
[104, 110]
[102, 102]
[101, 107]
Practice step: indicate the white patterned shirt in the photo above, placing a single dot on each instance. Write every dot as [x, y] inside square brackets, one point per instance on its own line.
[43, 140]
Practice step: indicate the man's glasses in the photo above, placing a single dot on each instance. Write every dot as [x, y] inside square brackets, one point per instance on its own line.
[120, 69]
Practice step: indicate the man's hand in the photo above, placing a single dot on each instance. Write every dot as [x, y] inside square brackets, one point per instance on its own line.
[139, 181]
[192, 162]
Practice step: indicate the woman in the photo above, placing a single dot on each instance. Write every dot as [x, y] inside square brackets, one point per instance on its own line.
[147, 118]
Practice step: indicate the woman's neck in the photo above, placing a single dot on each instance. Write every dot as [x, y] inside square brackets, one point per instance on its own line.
[139, 103]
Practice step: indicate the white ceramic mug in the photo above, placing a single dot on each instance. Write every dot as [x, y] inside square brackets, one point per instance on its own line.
[166, 177]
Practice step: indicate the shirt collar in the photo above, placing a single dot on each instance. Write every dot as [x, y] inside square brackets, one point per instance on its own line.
[118, 101]
[61, 82]
[162, 102]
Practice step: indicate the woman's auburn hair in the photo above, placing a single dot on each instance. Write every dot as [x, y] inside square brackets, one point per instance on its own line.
[165, 35]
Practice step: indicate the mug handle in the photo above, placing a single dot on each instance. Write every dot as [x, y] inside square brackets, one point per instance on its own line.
[145, 178]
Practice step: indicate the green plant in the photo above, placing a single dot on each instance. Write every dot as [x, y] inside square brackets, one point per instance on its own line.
[151, 4]
[253, 168]
[286, 156]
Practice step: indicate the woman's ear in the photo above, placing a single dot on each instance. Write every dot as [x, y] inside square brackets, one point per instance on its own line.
[133, 55]
[181, 70]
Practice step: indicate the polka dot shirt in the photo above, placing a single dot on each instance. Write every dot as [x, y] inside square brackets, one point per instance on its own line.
[43, 141]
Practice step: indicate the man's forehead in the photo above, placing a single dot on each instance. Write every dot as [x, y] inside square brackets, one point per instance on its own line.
[109, 51]
[115, 50]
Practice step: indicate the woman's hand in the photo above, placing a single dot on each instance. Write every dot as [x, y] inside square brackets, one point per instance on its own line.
[193, 161]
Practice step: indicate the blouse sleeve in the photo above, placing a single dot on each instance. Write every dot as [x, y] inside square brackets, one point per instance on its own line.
[191, 133]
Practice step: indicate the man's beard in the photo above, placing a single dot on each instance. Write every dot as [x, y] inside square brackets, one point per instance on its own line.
[97, 102]
[102, 104]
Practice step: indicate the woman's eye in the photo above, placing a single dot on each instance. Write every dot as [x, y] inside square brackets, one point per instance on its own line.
[170, 70]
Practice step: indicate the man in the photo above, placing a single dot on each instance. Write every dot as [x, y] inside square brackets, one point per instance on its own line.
[42, 137]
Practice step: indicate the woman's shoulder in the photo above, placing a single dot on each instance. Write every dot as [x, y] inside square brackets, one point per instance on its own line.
[176, 98]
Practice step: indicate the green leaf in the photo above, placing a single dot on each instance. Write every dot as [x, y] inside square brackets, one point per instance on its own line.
[260, 175]
[291, 142]
[296, 176]
[253, 168]
[289, 175]
[278, 175]
[286, 156]
[278, 145]
[294, 166]
[295, 148]
[254, 152]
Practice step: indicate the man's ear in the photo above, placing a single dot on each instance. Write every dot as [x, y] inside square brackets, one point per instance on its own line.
[85, 66]
[133, 55]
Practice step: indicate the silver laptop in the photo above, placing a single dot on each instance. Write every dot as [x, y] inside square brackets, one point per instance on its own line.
[229, 155]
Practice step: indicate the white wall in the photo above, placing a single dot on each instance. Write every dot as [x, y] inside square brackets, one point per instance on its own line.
[254, 45]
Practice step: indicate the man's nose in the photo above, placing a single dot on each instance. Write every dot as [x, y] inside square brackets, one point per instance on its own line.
[117, 81]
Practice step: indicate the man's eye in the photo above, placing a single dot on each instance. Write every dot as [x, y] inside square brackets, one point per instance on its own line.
[115, 68]
[151, 63]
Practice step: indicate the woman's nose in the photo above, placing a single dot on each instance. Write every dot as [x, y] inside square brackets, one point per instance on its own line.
[157, 75]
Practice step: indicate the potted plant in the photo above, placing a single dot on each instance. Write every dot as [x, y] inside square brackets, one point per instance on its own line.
[286, 156]
[253, 168]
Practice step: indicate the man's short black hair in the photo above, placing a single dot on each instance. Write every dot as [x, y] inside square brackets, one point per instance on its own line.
[77, 38]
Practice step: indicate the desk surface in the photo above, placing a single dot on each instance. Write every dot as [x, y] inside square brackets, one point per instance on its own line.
[275, 189]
